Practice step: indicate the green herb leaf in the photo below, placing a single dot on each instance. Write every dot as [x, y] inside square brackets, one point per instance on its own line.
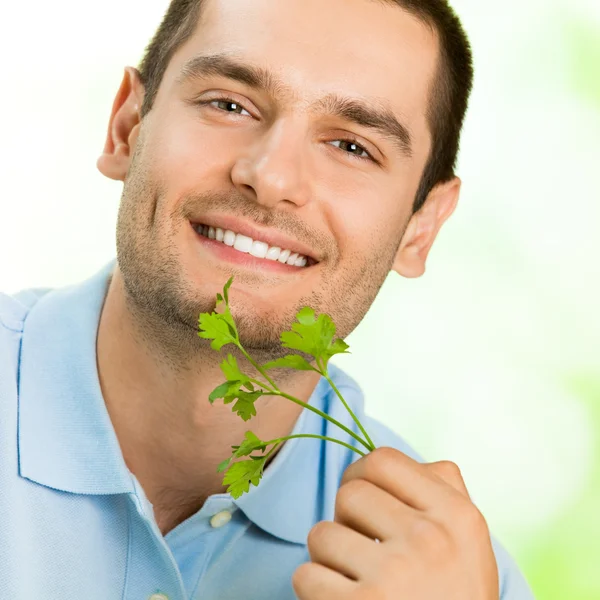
[242, 474]
[219, 327]
[215, 327]
[337, 347]
[244, 406]
[224, 465]
[228, 388]
[231, 391]
[291, 361]
[249, 445]
[306, 316]
[314, 336]
[231, 370]
[226, 290]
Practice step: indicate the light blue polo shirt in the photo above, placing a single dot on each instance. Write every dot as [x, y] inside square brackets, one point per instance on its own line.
[74, 522]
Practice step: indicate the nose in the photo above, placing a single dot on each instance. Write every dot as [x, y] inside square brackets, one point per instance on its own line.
[274, 168]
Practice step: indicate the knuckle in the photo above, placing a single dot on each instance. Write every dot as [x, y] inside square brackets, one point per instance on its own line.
[379, 462]
[349, 494]
[473, 520]
[317, 534]
[302, 575]
[450, 466]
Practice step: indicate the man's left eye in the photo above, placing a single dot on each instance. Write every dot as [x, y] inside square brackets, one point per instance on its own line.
[229, 106]
[352, 148]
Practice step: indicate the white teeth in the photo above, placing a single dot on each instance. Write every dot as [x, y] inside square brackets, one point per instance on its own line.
[242, 243]
[259, 249]
[229, 238]
[256, 248]
[273, 253]
[284, 256]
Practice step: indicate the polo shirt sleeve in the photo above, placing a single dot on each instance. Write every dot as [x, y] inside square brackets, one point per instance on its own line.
[513, 585]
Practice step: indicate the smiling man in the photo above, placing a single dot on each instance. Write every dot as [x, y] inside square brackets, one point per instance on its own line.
[306, 147]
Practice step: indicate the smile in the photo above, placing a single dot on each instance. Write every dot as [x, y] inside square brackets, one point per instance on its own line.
[256, 248]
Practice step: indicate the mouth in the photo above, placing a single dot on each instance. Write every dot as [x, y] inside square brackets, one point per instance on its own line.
[257, 254]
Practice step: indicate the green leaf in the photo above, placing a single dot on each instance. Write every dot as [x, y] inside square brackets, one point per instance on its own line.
[291, 361]
[242, 474]
[244, 406]
[338, 347]
[306, 316]
[231, 391]
[231, 370]
[223, 390]
[314, 336]
[222, 466]
[219, 327]
[226, 290]
[216, 327]
[249, 445]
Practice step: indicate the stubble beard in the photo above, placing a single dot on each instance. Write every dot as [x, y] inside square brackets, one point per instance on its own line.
[165, 307]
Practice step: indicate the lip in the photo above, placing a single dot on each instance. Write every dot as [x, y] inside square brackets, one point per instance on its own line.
[273, 238]
[227, 253]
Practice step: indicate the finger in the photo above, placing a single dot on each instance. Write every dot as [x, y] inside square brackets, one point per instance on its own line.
[312, 581]
[450, 472]
[402, 477]
[342, 549]
[371, 511]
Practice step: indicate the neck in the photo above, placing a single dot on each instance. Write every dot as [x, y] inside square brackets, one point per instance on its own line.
[156, 392]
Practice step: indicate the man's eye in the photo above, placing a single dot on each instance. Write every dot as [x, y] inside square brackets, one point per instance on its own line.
[352, 148]
[229, 106]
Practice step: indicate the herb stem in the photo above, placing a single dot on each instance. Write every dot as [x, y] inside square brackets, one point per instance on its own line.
[321, 414]
[339, 395]
[310, 435]
[261, 384]
[277, 392]
[258, 367]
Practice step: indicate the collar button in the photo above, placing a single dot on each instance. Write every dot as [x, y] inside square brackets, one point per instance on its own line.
[220, 519]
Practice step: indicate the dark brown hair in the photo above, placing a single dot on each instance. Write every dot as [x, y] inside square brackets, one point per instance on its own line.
[449, 96]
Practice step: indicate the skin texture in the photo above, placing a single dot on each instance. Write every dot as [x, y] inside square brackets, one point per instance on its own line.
[278, 164]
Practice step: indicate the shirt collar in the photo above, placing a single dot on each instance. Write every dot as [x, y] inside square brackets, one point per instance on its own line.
[66, 438]
[67, 441]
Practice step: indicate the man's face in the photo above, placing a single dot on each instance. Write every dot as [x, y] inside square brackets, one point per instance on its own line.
[298, 158]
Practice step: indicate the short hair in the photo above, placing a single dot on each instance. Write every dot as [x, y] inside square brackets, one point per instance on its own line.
[449, 95]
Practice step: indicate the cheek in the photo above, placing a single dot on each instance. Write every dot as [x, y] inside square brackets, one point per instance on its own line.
[366, 217]
[189, 154]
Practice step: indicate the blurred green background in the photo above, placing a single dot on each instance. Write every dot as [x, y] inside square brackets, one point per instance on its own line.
[495, 352]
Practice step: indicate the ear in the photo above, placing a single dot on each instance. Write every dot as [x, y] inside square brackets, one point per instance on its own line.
[123, 127]
[423, 228]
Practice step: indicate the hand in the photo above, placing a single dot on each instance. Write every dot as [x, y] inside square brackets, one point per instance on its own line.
[434, 544]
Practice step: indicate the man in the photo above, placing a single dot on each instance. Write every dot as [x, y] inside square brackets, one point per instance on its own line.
[307, 148]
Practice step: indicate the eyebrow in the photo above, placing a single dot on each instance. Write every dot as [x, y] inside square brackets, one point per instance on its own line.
[366, 114]
[369, 114]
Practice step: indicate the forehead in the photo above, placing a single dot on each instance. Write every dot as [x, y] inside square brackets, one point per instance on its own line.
[358, 48]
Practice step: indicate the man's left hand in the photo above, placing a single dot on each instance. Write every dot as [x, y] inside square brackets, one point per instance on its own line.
[433, 542]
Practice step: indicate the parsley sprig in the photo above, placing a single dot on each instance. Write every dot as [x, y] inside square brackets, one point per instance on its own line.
[312, 335]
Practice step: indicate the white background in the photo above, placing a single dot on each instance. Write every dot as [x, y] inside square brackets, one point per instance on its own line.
[468, 363]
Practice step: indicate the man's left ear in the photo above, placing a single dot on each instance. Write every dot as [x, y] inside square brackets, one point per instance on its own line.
[423, 228]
